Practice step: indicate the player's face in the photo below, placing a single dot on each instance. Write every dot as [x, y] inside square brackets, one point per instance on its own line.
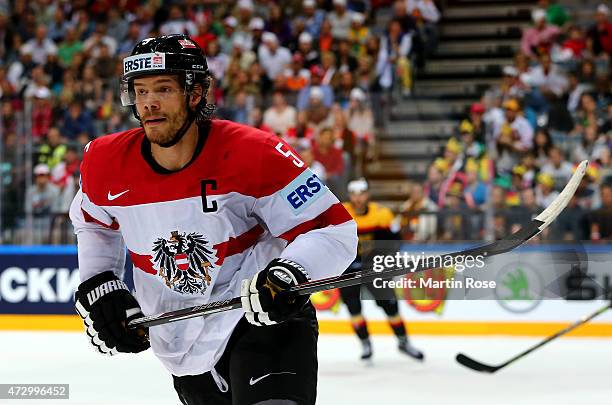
[359, 200]
[160, 102]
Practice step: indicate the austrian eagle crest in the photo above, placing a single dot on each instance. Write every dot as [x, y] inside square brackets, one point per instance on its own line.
[184, 261]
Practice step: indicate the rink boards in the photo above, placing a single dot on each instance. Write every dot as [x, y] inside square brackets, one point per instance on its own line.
[37, 286]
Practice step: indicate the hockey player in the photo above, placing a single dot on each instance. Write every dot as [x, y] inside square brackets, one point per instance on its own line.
[375, 223]
[208, 210]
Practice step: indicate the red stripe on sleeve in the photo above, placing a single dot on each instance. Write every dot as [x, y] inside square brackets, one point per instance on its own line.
[143, 262]
[334, 215]
[238, 244]
[88, 218]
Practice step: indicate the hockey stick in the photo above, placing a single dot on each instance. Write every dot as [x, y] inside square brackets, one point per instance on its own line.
[485, 368]
[346, 280]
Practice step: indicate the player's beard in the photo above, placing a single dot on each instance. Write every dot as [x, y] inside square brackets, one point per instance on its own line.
[165, 134]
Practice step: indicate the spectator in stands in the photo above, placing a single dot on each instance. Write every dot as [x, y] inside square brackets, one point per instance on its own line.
[63, 172]
[278, 24]
[177, 23]
[555, 13]
[340, 19]
[406, 20]
[296, 76]
[58, 26]
[419, 221]
[330, 157]
[330, 75]
[317, 115]
[601, 219]
[78, 120]
[53, 150]
[393, 63]
[433, 187]
[358, 34]
[273, 57]
[42, 199]
[360, 118]
[41, 114]
[354, 155]
[521, 215]
[68, 47]
[542, 144]
[511, 85]
[313, 17]
[476, 120]
[545, 190]
[242, 54]
[316, 80]
[539, 38]
[279, 117]
[365, 76]
[572, 223]
[591, 147]
[346, 62]
[469, 146]
[326, 38]
[573, 48]
[40, 46]
[307, 51]
[99, 38]
[6, 37]
[133, 36]
[304, 149]
[244, 12]
[217, 61]
[454, 219]
[427, 16]
[603, 92]
[575, 91]
[514, 137]
[587, 114]
[229, 34]
[19, 70]
[587, 73]
[475, 190]
[499, 207]
[117, 26]
[557, 168]
[600, 34]
[91, 88]
[546, 84]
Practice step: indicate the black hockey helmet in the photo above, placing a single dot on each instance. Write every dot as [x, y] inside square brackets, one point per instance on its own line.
[168, 54]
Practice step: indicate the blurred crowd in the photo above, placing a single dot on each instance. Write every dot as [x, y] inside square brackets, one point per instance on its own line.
[314, 72]
[521, 143]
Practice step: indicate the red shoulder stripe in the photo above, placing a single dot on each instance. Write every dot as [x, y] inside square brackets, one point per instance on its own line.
[334, 215]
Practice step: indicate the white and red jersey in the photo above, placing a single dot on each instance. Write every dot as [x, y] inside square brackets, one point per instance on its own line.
[195, 234]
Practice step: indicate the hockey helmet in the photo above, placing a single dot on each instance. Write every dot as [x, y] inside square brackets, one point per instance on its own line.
[168, 54]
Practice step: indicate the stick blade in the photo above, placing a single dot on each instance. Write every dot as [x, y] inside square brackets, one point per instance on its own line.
[475, 365]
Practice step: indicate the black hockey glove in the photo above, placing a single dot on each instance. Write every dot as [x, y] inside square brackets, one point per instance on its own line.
[106, 306]
[261, 301]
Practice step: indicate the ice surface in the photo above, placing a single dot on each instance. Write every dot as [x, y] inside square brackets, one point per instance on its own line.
[567, 371]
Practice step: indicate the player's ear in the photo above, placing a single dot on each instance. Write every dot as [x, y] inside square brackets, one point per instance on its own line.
[196, 95]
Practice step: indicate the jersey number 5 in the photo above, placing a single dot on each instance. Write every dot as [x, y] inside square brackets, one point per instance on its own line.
[288, 153]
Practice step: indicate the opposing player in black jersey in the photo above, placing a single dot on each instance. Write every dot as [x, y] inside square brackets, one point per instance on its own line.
[375, 223]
